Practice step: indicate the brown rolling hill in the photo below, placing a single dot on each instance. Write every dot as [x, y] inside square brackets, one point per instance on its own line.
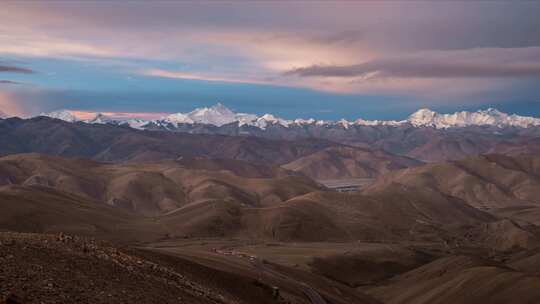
[369, 266]
[349, 162]
[447, 148]
[459, 279]
[111, 143]
[154, 188]
[487, 182]
[203, 198]
[526, 261]
[39, 209]
[503, 235]
[221, 198]
[237, 167]
[519, 146]
[506, 187]
[396, 214]
[200, 197]
[436, 145]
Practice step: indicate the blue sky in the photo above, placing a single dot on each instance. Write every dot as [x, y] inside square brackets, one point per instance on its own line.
[295, 59]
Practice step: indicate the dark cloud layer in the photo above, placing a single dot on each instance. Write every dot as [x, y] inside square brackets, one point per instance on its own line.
[15, 69]
[2, 81]
[417, 70]
[343, 37]
[416, 25]
[495, 63]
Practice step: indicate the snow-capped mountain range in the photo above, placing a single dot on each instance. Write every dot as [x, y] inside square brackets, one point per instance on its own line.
[65, 115]
[219, 115]
[493, 117]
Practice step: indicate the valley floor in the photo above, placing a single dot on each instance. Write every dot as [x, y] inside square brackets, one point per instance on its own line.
[363, 272]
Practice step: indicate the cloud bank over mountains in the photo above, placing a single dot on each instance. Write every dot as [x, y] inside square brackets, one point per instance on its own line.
[478, 53]
[477, 63]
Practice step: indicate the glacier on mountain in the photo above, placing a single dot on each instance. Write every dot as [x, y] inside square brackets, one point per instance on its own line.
[219, 115]
[65, 115]
[491, 117]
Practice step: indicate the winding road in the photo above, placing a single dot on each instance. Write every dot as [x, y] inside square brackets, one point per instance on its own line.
[309, 292]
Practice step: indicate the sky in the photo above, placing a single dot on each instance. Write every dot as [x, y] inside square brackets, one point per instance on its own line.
[327, 60]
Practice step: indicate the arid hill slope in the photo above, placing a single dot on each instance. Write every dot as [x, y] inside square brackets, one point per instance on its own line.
[105, 142]
[486, 182]
[154, 188]
[395, 214]
[41, 209]
[45, 268]
[202, 197]
[349, 162]
[460, 279]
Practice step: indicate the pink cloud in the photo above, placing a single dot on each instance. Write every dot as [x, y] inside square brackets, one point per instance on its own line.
[204, 77]
[86, 115]
[9, 105]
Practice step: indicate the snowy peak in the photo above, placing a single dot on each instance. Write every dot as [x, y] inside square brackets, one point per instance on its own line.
[97, 118]
[422, 117]
[3, 115]
[219, 115]
[267, 119]
[69, 116]
[100, 118]
[489, 117]
[64, 115]
[219, 108]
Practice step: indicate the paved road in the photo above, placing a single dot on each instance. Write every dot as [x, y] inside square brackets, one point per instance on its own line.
[257, 263]
[309, 292]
